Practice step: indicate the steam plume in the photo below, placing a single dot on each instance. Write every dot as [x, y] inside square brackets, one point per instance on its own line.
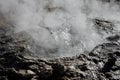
[62, 27]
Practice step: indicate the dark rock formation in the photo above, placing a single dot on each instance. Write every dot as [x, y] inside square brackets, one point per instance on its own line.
[102, 63]
[114, 38]
[102, 25]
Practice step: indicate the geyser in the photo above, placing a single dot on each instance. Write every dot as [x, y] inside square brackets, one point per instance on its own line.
[61, 27]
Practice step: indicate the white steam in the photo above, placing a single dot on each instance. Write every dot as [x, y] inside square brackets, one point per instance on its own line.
[63, 26]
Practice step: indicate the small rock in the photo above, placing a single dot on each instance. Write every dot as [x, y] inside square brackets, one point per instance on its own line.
[71, 68]
[30, 72]
[22, 72]
[108, 65]
[58, 69]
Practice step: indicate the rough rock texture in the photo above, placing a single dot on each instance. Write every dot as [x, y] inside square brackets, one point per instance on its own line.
[102, 63]
[103, 26]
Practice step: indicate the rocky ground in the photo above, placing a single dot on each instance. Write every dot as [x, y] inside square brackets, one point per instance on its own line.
[102, 63]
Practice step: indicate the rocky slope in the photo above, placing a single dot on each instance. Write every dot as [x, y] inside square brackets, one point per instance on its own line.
[102, 63]
[17, 62]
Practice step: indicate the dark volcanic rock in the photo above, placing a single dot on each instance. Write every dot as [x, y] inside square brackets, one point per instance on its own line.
[114, 38]
[102, 63]
[109, 64]
[103, 26]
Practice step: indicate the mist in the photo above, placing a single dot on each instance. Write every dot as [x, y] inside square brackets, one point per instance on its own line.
[60, 27]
